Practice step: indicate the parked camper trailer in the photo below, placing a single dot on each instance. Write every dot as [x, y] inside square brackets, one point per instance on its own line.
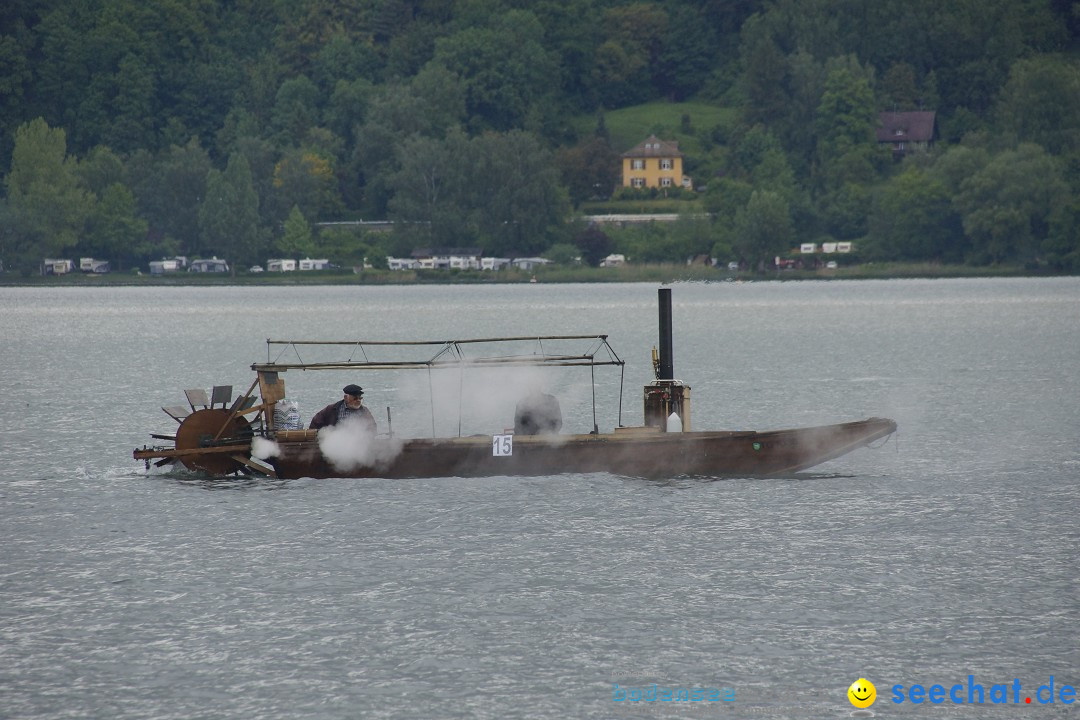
[162, 267]
[211, 265]
[52, 266]
[280, 265]
[401, 263]
[529, 263]
[95, 267]
[493, 263]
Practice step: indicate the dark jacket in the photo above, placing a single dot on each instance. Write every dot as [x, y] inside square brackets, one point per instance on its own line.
[329, 416]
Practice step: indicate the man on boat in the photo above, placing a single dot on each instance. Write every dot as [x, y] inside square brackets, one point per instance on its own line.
[350, 408]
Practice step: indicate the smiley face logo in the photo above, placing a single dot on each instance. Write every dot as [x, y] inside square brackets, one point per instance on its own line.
[862, 693]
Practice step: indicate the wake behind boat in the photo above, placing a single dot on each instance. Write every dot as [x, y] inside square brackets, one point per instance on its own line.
[251, 434]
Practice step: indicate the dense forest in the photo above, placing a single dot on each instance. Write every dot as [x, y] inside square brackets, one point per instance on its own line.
[138, 129]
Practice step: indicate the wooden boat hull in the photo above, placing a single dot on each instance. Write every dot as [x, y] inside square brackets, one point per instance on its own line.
[635, 452]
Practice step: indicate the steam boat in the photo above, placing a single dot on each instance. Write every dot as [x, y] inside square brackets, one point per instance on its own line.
[252, 434]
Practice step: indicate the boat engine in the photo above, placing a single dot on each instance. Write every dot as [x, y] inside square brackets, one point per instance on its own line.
[664, 397]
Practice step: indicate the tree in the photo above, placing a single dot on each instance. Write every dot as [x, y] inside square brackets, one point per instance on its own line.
[114, 230]
[134, 111]
[348, 103]
[444, 95]
[845, 122]
[46, 205]
[296, 109]
[645, 243]
[898, 87]
[99, 169]
[726, 197]
[349, 245]
[589, 170]
[765, 72]
[344, 59]
[395, 114]
[762, 229]
[296, 239]
[16, 74]
[1008, 206]
[499, 190]
[429, 206]
[505, 68]
[593, 244]
[1041, 103]
[629, 60]
[516, 192]
[957, 164]
[843, 211]
[1062, 246]
[229, 216]
[807, 81]
[305, 178]
[169, 189]
[687, 54]
[912, 219]
[563, 254]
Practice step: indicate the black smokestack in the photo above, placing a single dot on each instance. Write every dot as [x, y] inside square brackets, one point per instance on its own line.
[667, 357]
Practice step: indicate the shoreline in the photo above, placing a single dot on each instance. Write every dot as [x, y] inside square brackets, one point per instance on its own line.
[659, 273]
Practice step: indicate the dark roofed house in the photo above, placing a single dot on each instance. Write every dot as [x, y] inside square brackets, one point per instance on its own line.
[907, 131]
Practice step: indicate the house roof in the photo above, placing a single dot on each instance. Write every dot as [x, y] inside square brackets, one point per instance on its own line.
[916, 126]
[653, 146]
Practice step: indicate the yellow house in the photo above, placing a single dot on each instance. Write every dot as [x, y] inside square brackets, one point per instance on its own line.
[654, 163]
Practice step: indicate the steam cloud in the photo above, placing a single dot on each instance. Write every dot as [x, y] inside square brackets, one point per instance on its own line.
[347, 446]
[485, 399]
[263, 449]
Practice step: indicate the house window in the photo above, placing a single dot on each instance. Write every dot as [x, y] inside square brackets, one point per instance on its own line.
[637, 182]
[665, 164]
[665, 182]
[637, 164]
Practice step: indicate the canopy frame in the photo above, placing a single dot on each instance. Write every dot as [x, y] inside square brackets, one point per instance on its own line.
[451, 354]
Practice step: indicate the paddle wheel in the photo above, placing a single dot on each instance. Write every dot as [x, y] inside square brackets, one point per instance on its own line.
[214, 433]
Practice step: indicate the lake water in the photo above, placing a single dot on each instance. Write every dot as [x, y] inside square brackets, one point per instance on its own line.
[949, 552]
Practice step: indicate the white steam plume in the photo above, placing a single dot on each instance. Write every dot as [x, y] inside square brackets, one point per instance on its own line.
[485, 399]
[262, 448]
[348, 446]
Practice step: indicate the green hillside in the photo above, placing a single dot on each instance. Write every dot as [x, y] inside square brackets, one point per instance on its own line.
[630, 125]
[132, 131]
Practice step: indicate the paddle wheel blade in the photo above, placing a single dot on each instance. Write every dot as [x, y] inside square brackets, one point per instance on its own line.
[197, 399]
[177, 412]
[221, 395]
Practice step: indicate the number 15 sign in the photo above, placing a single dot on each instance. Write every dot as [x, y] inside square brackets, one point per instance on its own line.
[502, 445]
